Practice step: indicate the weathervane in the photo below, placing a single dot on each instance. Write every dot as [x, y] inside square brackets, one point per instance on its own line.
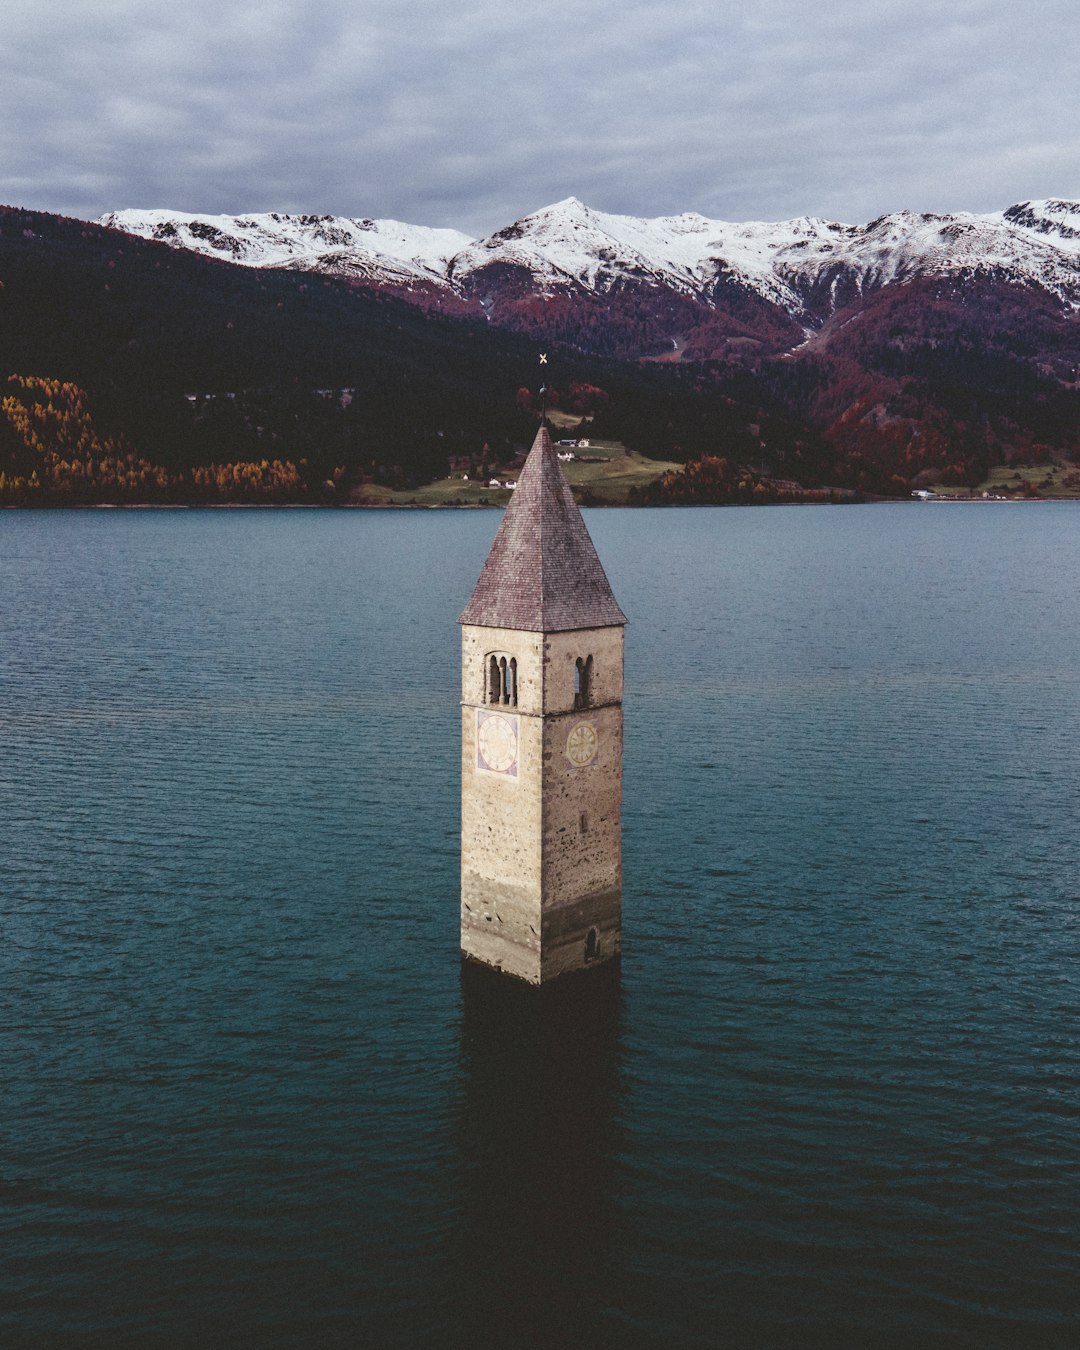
[543, 392]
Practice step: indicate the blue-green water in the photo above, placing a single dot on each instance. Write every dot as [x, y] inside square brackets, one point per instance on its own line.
[833, 1097]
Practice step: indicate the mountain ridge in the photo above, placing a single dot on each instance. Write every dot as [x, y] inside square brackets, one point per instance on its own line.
[806, 267]
[924, 353]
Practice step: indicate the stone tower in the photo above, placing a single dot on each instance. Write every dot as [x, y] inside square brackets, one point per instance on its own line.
[541, 740]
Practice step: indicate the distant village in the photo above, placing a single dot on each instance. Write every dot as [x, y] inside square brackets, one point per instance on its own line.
[476, 469]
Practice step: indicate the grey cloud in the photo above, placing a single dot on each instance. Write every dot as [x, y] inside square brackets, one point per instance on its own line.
[472, 116]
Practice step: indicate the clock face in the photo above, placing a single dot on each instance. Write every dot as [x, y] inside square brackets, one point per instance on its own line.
[497, 743]
[581, 743]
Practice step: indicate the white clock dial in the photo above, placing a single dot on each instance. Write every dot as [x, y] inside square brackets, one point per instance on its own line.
[497, 743]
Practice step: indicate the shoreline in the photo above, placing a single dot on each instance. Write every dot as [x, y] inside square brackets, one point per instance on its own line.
[500, 506]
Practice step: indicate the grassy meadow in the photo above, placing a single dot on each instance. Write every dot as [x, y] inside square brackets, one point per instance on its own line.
[1022, 480]
[606, 483]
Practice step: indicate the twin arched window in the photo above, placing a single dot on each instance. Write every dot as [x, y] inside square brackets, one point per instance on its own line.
[502, 684]
[582, 681]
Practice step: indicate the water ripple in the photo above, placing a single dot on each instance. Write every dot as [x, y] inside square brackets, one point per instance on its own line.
[833, 1098]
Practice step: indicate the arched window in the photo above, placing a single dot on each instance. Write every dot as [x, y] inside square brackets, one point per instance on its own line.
[592, 945]
[502, 681]
[582, 681]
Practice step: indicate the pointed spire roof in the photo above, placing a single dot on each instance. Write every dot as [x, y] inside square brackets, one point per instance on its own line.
[542, 573]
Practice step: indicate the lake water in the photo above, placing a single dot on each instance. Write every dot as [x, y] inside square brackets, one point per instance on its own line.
[832, 1098]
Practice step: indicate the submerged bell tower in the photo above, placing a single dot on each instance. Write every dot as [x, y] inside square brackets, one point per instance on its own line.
[541, 740]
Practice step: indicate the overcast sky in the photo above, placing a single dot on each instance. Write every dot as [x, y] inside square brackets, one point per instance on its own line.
[476, 113]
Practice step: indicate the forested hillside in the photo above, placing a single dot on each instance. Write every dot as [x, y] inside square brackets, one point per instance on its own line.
[201, 369]
[194, 362]
[135, 371]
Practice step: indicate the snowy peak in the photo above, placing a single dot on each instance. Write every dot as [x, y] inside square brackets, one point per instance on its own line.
[1051, 217]
[806, 266]
[380, 248]
[570, 245]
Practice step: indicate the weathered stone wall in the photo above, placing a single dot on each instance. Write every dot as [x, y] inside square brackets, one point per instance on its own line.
[582, 838]
[581, 805]
[541, 851]
[501, 824]
[501, 820]
[566, 943]
[478, 643]
[561, 650]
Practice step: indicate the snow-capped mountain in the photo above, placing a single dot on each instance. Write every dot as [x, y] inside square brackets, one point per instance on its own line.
[378, 250]
[806, 267]
[912, 350]
[792, 262]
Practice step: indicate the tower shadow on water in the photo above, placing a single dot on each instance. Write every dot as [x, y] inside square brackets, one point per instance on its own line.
[538, 1144]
